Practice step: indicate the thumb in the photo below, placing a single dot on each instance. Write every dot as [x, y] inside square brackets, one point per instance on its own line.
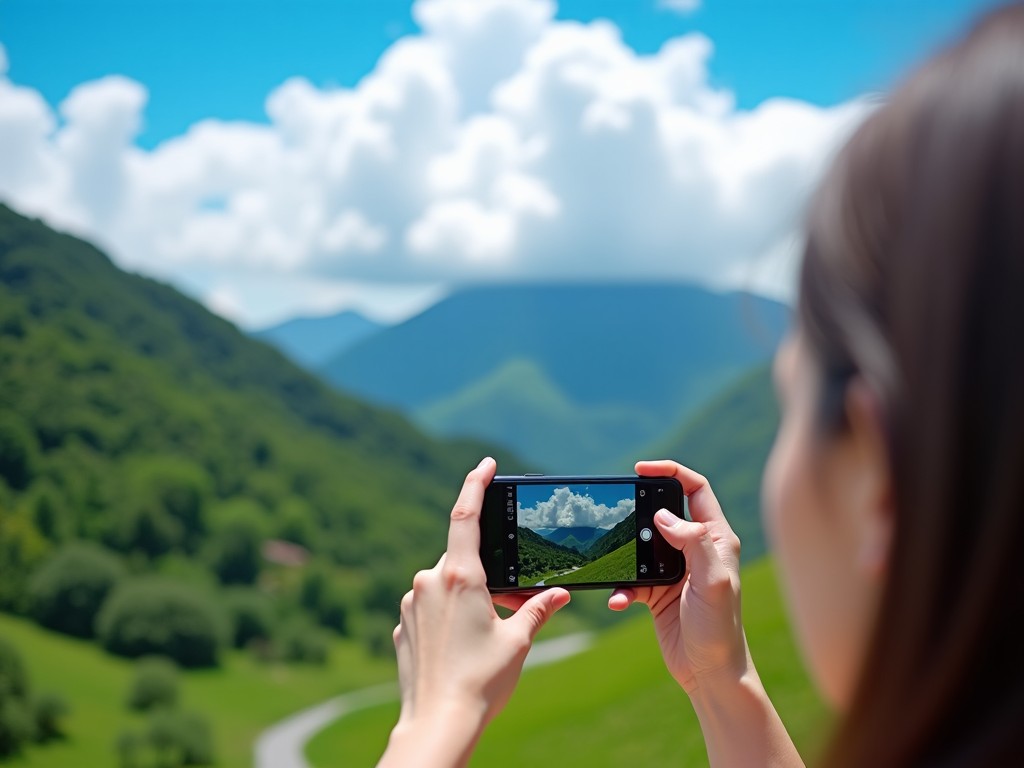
[703, 561]
[536, 611]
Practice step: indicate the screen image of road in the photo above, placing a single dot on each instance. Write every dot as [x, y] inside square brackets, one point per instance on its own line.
[576, 534]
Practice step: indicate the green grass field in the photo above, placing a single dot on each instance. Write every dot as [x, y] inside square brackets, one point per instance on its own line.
[240, 699]
[617, 565]
[614, 704]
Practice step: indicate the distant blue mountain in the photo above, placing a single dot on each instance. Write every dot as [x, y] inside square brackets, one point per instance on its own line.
[571, 377]
[579, 538]
[312, 341]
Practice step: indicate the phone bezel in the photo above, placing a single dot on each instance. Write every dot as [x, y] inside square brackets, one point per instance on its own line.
[489, 512]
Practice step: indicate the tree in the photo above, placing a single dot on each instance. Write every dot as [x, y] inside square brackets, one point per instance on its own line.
[67, 591]
[19, 452]
[157, 617]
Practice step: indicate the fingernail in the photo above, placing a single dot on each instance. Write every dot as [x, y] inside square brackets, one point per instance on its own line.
[666, 518]
[483, 461]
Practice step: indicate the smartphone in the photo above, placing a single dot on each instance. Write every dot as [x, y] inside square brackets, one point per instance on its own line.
[586, 532]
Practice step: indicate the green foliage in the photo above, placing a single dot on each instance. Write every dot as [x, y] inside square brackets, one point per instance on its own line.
[22, 549]
[157, 617]
[18, 451]
[155, 684]
[324, 601]
[171, 738]
[49, 710]
[16, 727]
[252, 616]
[67, 591]
[13, 677]
[234, 548]
[24, 719]
[300, 641]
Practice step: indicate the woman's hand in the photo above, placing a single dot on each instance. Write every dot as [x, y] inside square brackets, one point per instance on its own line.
[698, 620]
[458, 661]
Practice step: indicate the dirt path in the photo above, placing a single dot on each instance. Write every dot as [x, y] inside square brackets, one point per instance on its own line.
[283, 744]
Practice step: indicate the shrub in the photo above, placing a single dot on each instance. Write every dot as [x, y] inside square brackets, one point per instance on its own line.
[16, 726]
[171, 739]
[155, 684]
[19, 451]
[180, 738]
[252, 616]
[157, 617]
[302, 642]
[378, 634]
[49, 710]
[67, 591]
[235, 549]
[13, 678]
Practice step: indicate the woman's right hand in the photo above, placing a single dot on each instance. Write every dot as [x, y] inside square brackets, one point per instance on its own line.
[697, 620]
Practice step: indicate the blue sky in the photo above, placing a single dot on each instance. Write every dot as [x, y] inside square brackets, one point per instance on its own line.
[220, 58]
[278, 158]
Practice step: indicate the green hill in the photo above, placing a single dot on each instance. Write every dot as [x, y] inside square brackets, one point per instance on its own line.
[614, 704]
[617, 565]
[134, 417]
[728, 441]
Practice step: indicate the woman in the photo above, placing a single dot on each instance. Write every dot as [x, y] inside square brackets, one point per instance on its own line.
[894, 495]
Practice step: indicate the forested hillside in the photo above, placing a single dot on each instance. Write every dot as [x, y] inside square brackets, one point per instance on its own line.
[132, 417]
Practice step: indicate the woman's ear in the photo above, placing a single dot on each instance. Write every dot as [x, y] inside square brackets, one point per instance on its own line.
[872, 485]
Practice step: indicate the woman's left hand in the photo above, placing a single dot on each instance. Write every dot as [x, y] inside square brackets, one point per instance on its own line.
[458, 661]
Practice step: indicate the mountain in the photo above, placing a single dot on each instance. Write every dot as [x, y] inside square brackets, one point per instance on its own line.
[571, 377]
[579, 538]
[312, 341]
[134, 417]
[728, 442]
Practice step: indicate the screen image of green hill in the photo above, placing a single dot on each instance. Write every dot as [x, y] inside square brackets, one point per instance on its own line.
[618, 565]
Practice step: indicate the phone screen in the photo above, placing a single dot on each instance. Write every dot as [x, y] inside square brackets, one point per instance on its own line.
[577, 532]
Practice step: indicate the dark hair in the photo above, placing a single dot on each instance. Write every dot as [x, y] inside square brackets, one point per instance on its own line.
[913, 281]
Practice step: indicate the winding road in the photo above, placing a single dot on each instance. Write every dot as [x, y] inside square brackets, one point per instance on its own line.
[283, 744]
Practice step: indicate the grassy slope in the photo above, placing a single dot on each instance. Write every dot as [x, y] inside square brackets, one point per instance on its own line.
[614, 704]
[617, 565]
[240, 699]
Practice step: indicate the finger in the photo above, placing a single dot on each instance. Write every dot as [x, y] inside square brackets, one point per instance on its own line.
[512, 602]
[536, 611]
[621, 599]
[704, 506]
[704, 564]
[464, 530]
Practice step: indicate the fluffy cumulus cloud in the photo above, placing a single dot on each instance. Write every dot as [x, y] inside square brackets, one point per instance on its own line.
[566, 509]
[497, 143]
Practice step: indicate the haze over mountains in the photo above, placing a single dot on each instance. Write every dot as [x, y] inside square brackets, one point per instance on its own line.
[313, 341]
[573, 378]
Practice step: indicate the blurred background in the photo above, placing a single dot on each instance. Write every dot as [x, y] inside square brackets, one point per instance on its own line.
[274, 275]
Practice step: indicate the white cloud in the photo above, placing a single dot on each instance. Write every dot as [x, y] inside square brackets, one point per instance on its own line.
[566, 509]
[498, 143]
